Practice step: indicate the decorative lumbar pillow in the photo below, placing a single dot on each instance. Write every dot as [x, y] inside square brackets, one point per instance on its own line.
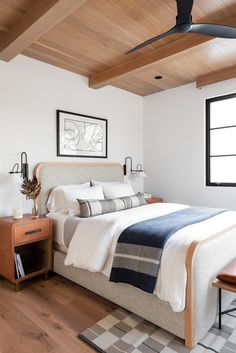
[90, 208]
[56, 201]
[115, 189]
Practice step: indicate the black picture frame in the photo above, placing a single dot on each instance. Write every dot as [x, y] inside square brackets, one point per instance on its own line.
[68, 139]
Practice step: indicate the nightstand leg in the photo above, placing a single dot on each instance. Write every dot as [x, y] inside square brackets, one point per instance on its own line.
[46, 276]
[17, 287]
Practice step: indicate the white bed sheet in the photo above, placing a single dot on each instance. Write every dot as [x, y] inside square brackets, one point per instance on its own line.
[93, 245]
[58, 221]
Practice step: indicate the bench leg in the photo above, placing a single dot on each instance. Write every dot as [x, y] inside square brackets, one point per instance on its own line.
[220, 324]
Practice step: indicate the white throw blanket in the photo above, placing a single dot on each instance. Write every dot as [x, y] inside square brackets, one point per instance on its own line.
[93, 245]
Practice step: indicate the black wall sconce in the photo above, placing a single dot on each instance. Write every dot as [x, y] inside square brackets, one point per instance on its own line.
[24, 167]
[139, 171]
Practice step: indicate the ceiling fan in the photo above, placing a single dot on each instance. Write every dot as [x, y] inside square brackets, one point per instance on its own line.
[184, 25]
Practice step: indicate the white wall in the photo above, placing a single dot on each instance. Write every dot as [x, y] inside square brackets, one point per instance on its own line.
[174, 129]
[174, 146]
[30, 93]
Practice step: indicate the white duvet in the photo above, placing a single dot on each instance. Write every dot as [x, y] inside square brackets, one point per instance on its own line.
[93, 245]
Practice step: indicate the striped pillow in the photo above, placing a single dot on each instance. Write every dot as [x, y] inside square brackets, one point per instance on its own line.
[90, 208]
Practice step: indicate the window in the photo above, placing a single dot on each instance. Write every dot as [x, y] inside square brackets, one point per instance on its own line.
[221, 141]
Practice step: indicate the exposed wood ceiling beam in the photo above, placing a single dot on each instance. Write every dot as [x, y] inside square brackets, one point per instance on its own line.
[115, 73]
[40, 18]
[218, 76]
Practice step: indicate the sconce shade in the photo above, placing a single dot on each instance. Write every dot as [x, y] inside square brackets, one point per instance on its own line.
[10, 195]
[142, 174]
[13, 178]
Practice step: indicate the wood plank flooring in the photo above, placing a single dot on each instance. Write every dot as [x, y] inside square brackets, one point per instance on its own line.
[46, 316]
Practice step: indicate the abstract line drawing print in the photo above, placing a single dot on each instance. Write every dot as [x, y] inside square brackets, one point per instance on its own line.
[80, 136]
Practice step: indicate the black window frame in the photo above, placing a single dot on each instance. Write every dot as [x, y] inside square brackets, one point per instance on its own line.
[208, 139]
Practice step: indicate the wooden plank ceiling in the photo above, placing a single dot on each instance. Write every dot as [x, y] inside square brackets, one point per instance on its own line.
[91, 38]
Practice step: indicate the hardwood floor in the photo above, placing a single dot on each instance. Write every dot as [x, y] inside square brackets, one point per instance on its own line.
[46, 316]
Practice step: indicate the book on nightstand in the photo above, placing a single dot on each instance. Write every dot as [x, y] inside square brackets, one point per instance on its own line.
[18, 266]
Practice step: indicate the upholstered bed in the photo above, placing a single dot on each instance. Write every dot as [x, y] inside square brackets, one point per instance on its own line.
[204, 259]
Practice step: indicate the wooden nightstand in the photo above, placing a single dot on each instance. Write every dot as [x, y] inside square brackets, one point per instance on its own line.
[154, 200]
[32, 238]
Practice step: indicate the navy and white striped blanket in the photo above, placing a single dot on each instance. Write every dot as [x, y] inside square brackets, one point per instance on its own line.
[139, 248]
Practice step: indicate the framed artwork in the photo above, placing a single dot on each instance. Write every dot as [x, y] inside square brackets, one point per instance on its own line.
[81, 135]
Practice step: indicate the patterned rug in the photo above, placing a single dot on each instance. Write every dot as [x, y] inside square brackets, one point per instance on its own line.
[124, 332]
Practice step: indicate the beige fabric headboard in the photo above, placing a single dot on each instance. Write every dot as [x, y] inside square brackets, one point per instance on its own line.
[52, 174]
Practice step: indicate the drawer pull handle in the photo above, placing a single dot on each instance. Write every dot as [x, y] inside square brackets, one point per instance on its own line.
[33, 231]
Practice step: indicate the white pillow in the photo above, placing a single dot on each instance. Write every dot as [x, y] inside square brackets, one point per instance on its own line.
[97, 182]
[92, 193]
[115, 189]
[56, 200]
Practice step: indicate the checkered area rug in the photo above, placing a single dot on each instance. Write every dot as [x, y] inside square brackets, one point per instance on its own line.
[124, 332]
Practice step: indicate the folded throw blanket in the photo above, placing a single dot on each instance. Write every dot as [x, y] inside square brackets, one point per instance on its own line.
[139, 248]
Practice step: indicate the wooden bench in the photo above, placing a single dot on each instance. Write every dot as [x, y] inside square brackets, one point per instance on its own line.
[226, 280]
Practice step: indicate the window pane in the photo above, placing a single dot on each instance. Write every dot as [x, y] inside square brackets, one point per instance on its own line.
[223, 169]
[223, 113]
[223, 141]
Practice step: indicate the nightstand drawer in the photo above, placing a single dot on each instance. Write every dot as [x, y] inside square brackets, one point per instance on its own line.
[154, 200]
[32, 231]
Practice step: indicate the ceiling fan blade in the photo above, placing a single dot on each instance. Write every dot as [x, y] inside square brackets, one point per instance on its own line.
[214, 30]
[184, 10]
[154, 39]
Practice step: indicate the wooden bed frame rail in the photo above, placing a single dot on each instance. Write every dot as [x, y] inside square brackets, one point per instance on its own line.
[189, 307]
